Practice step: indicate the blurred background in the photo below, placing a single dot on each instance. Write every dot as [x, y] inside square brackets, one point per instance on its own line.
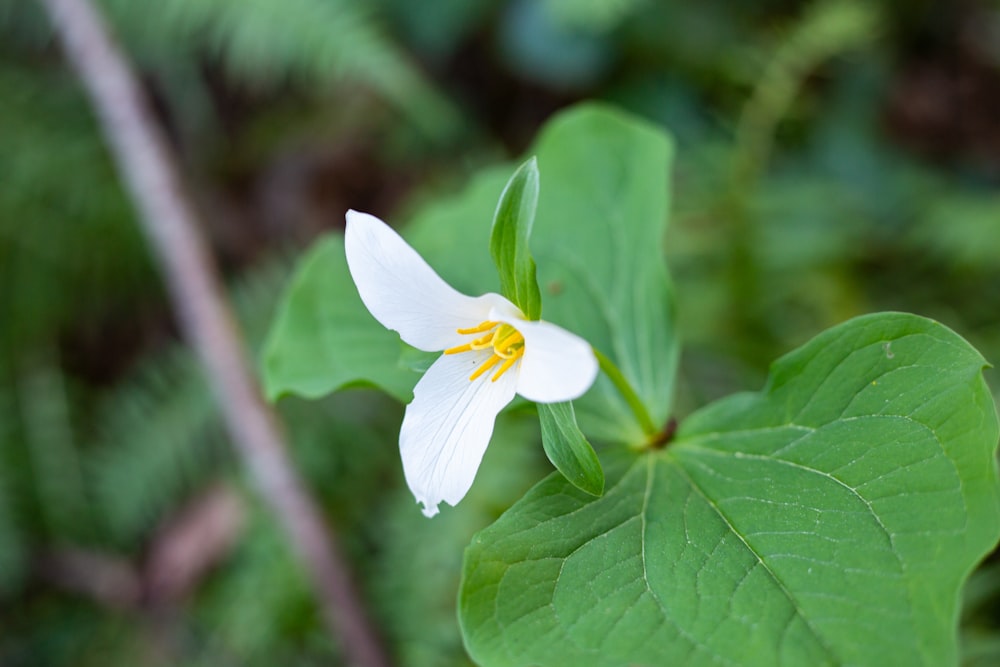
[834, 158]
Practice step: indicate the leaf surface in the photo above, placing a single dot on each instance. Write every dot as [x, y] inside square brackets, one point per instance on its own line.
[829, 519]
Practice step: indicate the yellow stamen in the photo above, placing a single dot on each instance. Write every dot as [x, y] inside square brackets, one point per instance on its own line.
[503, 348]
[480, 343]
[485, 366]
[505, 366]
[506, 341]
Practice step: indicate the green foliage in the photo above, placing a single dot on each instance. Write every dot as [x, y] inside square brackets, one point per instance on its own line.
[260, 610]
[831, 518]
[605, 176]
[827, 28]
[510, 240]
[158, 437]
[99, 251]
[592, 14]
[13, 549]
[266, 42]
[49, 436]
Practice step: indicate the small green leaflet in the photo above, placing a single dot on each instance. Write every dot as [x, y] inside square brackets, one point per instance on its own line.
[829, 519]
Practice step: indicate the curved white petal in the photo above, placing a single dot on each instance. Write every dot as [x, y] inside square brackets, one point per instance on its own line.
[448, 425]
[403, 292]
[557, 365]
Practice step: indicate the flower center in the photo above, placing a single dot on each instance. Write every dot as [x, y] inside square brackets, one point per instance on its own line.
[506, 341]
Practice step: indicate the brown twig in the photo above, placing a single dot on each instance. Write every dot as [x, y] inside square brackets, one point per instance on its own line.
[150, 171]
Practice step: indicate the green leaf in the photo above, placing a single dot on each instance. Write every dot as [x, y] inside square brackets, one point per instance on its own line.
[509, 238]
[598, 242]
[568, 449]
[324, 338]
[829, 519]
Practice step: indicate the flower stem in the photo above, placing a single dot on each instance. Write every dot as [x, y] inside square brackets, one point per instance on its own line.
[627, 392]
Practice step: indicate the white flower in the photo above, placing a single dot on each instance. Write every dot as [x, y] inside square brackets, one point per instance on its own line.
[491, 352]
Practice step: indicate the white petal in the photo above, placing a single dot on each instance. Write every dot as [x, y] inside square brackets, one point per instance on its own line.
[403, 292]
[557, 365]
[448, 425]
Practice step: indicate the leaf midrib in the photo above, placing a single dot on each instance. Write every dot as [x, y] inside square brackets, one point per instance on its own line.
[774, 576]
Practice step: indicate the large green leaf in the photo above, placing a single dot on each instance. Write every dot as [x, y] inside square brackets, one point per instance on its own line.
[597, 242]
[829, 519]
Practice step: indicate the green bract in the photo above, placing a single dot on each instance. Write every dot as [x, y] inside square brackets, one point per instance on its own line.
[829, 519]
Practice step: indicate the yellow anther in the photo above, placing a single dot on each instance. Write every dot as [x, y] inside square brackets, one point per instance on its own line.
[506, 341]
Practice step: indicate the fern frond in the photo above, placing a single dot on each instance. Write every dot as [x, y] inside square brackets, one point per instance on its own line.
[594, 15]
[158, 437]
[13, 550]
[160, 434]
[260, 611]
[65, 221]
[264, 42]
[51, 442]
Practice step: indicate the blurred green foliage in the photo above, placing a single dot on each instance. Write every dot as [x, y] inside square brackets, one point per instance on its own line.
[834, 158]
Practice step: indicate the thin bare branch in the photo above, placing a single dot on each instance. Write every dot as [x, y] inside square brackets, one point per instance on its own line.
[150, 171]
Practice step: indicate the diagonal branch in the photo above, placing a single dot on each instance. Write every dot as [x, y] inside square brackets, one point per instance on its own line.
[151, 174]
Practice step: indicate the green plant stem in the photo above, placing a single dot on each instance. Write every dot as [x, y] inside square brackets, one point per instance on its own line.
[627, 392]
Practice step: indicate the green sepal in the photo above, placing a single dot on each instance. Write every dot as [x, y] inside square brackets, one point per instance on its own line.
[568, 449]
[515, 214]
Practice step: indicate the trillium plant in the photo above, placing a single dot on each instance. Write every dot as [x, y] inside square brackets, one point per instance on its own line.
[832, 517]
